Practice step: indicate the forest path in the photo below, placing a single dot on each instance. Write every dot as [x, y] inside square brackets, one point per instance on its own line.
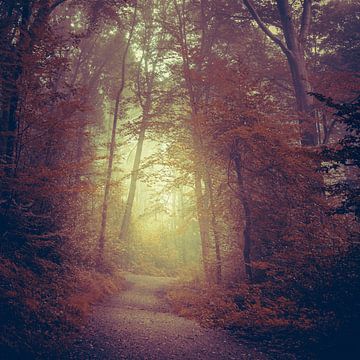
[138, 324]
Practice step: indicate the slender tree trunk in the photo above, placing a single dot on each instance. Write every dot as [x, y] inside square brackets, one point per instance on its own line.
[236, 157]
[133, 181]
[108, 181]
[202, 200]
[10, 94]
[145, 95]
[182, 219]
[203, 218]
[112, 148]
[125, 224]
[214, 226]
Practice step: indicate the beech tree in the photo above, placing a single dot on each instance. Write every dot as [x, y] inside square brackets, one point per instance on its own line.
[293, 47]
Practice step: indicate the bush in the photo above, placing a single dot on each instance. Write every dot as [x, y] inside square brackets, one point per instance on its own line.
[315, 314]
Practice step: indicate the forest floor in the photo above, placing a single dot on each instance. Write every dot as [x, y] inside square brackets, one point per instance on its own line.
[138, 324]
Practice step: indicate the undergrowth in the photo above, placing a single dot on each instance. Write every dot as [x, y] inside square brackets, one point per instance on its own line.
[307, 318]
[41, 307]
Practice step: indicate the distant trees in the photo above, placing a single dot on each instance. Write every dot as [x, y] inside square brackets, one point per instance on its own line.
[119, 92]
[194, 57]
[151, 43]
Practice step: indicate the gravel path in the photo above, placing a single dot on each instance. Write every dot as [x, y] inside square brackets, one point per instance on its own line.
[137, 324]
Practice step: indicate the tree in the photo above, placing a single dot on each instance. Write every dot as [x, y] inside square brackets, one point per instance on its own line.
[294, 49]
[335, 36]
[22, 23]
[113, 141]
[345, 153]
[193, 59]
[151, 44]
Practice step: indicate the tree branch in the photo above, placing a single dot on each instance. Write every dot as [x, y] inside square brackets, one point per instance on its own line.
[56, 4]
[250, 6]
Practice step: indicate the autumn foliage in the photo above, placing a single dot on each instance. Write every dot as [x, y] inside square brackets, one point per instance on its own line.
[181, 138]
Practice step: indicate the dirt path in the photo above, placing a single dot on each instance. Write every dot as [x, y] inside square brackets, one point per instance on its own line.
[137, 324]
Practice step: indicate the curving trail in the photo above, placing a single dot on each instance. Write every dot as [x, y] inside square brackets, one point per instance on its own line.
[137, 324]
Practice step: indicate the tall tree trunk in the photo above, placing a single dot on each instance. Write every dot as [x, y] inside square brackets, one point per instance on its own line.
[203, 219]
[214, 226]
[297, 64]
[133, 181]
[202, 201]
[236, 157]
[144, 94]
[112, 148]
[10, 91]
[108, 181]
[10, 118]
[202, 196]
[302, 88]
[293, 48]
[182, 221]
